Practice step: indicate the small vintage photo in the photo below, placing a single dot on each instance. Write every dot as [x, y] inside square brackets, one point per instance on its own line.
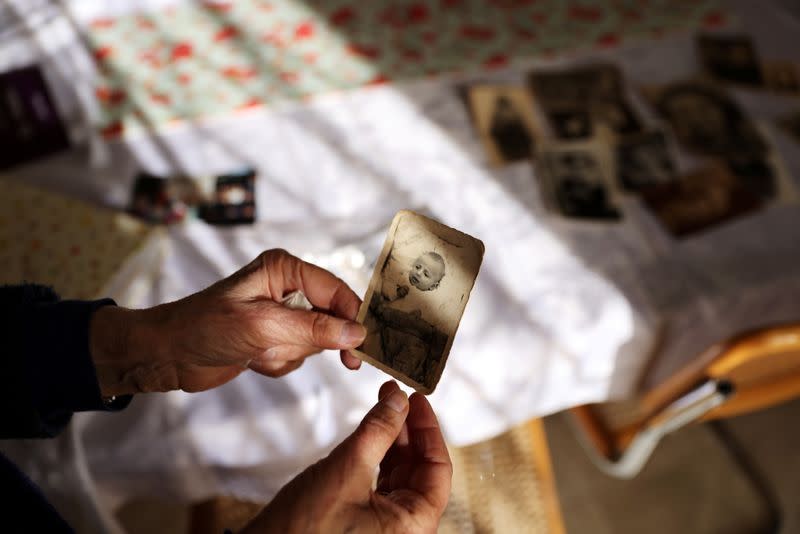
[416, 297]
[700, 200]
[730, 58]
[575, 182]
[576, 100]
[152, 200]
[643, 161]
[576, 87]
[233, 200]
[705, 119]
[505, 119]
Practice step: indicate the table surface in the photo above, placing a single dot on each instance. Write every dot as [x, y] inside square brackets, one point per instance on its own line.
[562, 314]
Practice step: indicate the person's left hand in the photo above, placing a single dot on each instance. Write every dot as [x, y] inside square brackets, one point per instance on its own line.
[401, 436]
[206, 339]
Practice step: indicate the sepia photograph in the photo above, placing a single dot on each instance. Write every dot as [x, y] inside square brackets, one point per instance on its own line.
[730, 58]
[700, 200]
[705, 119]
[233, 200]
[643, 161]
[416, 297]
[576, 100]
[577, 86]
[505, 120]
[574, 180]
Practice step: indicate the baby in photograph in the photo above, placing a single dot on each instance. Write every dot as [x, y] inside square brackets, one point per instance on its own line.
[404, 338]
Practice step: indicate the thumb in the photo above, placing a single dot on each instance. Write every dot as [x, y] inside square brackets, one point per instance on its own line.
[378, 430]
[300, 327]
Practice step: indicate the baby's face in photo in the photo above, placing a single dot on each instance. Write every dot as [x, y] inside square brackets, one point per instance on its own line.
[427, 271]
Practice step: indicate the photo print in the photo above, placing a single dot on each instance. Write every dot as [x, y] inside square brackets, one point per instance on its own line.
[574, 179]
[416, 297]
[730, 58]
[505, 120]
[699, 200]
[576, 101]
[233, 200]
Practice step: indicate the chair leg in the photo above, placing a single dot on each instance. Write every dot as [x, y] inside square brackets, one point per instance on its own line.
[744, 460]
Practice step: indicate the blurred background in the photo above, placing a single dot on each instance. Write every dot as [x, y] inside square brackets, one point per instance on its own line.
[631, 166]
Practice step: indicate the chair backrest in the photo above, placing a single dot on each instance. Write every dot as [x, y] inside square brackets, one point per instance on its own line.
[749, 372]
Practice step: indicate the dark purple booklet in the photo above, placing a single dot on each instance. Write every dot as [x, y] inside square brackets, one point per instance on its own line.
[30, 126]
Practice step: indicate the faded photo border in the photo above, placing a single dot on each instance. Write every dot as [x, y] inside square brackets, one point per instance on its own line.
[402, 311]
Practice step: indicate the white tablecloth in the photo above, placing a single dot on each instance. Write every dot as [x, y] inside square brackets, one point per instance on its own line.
[562, 314]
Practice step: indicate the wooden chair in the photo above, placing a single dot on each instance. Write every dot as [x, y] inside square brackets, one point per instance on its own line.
[749, 372]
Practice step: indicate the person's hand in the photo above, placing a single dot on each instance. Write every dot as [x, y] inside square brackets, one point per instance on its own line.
[206, 339]
[401, 436]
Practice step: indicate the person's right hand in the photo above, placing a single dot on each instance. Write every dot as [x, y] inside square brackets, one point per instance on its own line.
[206, 339]
[401, 436]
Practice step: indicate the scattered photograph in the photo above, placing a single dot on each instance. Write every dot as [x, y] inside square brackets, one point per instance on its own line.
[152, 202]
[705, 120]
[576, 100]
[574, 180]
[700, 200]
[416, 297]
[643, 161]
[505, 120]
[575, 87]
[233, 200]
[730, 58]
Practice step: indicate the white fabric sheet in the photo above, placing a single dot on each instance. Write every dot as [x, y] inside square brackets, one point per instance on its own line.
[562, 314]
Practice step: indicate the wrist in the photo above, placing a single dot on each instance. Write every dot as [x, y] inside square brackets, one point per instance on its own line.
[124, 349]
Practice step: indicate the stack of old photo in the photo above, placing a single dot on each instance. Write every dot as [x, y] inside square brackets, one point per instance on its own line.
[686, 149]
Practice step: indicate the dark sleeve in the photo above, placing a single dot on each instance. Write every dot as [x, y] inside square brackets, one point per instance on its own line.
[46, 371]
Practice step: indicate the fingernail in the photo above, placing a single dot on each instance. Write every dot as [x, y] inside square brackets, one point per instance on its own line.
[396, 400]
[352, 334]
[270, 353]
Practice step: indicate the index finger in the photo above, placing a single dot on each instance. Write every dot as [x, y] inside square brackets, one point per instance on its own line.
[322, 288]
[432, 471]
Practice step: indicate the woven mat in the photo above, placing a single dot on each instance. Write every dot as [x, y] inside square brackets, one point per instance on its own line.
[503, 485]
[209, 59]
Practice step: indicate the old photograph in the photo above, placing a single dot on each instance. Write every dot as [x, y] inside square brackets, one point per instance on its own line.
[705, 119]
[505, 120]
[576, 100]
[416, 297]
[730, 58]
[700, 200]
[574, 179]
[643, 161]
[576, 87]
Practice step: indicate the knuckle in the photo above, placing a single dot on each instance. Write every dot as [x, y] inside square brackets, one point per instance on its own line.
[378, 422]
[322, 330]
